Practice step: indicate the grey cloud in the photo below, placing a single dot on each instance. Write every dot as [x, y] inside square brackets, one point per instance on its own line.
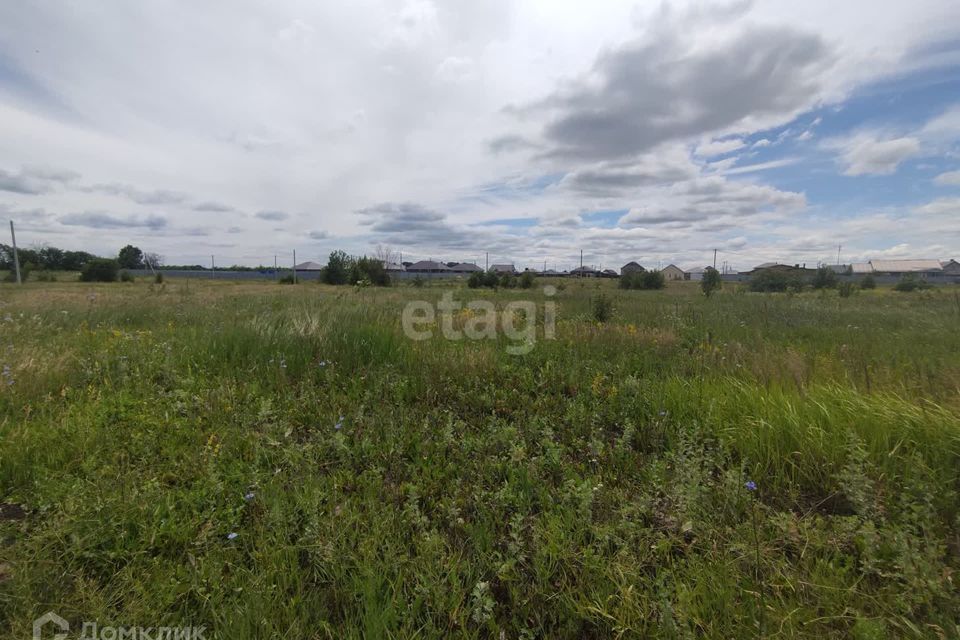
[275, 216]
[706, 198]
[214, 207]
[611, 178]
[411, 224]
[667, 88]
[35, 180]
[95, 220]
[140, 196]
[319, 235]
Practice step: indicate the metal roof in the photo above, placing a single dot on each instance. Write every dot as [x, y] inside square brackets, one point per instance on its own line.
[308, 266]
[428, 265]
[902, 266]
[861, 267]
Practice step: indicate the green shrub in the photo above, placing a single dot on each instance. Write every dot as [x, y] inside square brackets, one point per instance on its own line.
[642, 280]
[158, 278]
[490, 279]
[910, 282]
[846, 289]
[126, 276]
[287, 279]
[770, 281]
[602, 308]
[475, 281]
[418, 281]
[526, 280]
[508, 281]
[711, 281]
[100, 270]
[825, 278]
[868, 282]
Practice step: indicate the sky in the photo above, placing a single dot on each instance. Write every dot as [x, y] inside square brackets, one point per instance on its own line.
[523, 130]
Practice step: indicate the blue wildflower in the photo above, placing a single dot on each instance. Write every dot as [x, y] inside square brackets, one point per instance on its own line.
[751, 485]
[231, 536]
[339, 424]
[249, 496]
[322, 363]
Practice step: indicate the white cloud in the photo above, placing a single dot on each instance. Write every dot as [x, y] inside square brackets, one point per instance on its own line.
[719, 147]
[867, 154]
[948, 179]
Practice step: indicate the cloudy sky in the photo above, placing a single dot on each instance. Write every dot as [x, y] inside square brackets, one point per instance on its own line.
[529, 129]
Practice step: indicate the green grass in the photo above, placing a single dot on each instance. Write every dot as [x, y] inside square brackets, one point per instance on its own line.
[591, 488]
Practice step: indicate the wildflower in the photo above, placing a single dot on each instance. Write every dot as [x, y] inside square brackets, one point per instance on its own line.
[339, 424]
[663, 413]
[322, 364]
[750, 485]
[231, 536]
[249, 496]
[283, 363]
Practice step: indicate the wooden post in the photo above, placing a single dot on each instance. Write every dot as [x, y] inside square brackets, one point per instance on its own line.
[294, 266]
[16, 258]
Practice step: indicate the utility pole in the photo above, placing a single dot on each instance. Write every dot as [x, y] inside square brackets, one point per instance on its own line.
[487, 265]
[16, 258]
[839, 246]
[581, 263]
[276, 272]
[714, 259]
[294, 266]
[213, 268]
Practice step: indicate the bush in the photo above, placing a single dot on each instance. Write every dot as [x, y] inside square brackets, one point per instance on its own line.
[417, 281]
[45, 276]
[910, 282]
[769, 281]
[371, 271]
[642, 280]
[100, 270]
[507, 281]
[526, 280]
[711, 281]
[126, 276]
[490, 279]
[158, 278]
[868, 282]
[475, 281]
[846, 289]
[602, 308]
[825, 278]
[287, 279]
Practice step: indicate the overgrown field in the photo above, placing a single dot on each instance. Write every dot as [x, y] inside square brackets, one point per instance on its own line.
[282, 461]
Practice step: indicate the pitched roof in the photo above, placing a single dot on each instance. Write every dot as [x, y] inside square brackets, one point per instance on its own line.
[631, 264]
[308, 266]
[502, 267]
[697, 270]
[674, 266]
[465, 267]
[900, 266]
[861, 267]
[428, 265]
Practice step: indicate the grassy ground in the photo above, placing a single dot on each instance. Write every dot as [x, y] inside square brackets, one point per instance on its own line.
[594, 487]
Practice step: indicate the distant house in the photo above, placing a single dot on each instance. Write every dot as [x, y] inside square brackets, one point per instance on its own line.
[695, 274]
[777, 267]
[672, 272]
[922, 268]
[861, 268]
[464, 267]
[609, 273]
[584, 272]
[630, 267]
[308, 266]
[951, 268]
[503, 268]
[428, 266]
[393, 267]
[553, 273]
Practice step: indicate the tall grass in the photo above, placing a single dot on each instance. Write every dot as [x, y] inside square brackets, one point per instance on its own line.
[381, 487]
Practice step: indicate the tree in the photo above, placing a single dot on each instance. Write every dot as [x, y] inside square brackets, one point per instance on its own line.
[711, 281]
[74, 260]
[152, 259]
[100, 270]
[50, 258]
[339, 265]
[130, 257]
[825, 278]
[868, 282]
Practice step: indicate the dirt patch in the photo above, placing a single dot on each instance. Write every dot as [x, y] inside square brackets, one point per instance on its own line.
[10, 511]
